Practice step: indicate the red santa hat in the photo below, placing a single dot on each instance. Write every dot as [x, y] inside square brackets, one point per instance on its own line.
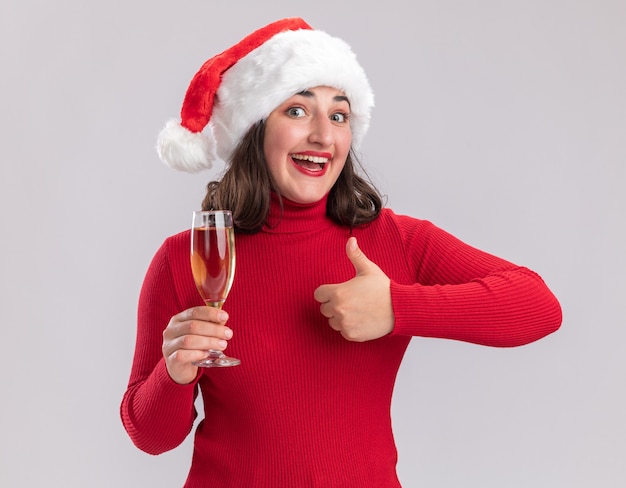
[244, 84]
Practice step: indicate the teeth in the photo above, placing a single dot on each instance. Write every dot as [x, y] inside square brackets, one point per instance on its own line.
[313, 159]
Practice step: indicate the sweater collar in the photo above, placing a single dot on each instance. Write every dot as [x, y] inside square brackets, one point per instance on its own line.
[295, 217]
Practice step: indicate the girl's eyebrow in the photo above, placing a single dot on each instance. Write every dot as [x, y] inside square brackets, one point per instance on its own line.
[310, 94]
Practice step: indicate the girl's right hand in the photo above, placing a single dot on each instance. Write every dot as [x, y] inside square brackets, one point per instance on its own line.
[188, 338]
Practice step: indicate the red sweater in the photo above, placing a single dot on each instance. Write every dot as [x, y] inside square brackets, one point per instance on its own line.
[307, 408]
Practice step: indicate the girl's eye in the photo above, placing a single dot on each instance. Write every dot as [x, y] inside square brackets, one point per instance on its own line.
[295, 112]
[339, 117]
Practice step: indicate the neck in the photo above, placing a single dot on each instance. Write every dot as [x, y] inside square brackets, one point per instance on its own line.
[286, 216]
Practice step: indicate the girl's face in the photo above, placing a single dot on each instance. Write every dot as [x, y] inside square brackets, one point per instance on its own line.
[307, 141]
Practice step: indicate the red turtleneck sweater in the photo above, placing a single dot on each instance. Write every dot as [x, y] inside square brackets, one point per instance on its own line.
[306, 407]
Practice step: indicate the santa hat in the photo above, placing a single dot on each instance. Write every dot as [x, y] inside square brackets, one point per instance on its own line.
[244, 84]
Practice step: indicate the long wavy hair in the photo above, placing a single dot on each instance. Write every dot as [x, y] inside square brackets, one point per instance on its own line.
[246, 185]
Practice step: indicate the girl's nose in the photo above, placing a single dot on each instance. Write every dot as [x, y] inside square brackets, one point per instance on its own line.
[321, 131]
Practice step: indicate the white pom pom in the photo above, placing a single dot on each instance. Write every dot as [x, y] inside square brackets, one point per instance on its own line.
[184, 150]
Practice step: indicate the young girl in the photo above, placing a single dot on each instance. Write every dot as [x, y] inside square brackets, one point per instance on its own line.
[329, 287]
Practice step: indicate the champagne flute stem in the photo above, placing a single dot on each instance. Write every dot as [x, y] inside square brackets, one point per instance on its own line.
[216, 358]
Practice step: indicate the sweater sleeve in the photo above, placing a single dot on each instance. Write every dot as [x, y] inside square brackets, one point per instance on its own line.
[459, 292]
[157, 413]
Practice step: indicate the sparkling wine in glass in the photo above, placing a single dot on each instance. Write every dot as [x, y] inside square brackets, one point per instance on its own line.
[213, 267]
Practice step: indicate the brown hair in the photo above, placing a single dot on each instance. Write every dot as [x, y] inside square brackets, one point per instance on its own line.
[245, 189]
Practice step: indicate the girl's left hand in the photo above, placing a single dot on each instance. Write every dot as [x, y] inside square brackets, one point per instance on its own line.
[360, 308]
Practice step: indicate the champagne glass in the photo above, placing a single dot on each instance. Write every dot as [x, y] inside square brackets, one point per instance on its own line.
[213, 267]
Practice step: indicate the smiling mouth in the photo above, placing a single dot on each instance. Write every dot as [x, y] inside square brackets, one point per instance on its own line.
[308, 162]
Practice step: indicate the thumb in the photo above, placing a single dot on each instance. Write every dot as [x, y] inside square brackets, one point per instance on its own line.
[360, 261]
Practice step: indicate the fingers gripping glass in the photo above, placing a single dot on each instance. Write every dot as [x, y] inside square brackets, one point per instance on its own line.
[213, 267]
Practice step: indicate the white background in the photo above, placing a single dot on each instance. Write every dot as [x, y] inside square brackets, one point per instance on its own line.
[504, 122]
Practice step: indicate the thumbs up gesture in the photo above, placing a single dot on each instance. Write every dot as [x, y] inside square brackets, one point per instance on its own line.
[360, 309]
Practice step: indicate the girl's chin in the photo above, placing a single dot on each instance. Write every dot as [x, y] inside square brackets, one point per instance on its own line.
[304, 197]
